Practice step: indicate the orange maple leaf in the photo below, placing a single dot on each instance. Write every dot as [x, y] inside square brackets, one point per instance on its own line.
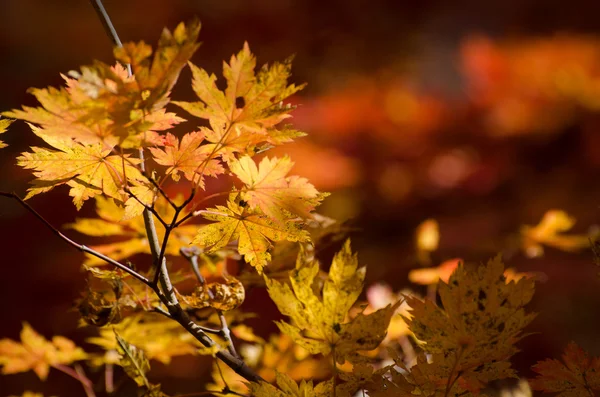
[105, 104]
[88, 169]
[36, 353]
[250, 105]
[577, 375]
[189, 157]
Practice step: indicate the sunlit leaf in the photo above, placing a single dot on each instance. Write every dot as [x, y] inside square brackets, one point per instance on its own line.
[3, 126]
[252, 229]
[269, 188]
[35, 353]
[319, 324]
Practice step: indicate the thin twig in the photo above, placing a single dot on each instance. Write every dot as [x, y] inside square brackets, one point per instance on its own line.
[81, 378]
[109, 382]
[89, 391]
[191, 254]
[194, 213]
[108, 26]
[80, 247]
[147, 207]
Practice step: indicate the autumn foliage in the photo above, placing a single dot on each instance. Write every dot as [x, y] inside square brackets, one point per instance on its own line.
[108, 136]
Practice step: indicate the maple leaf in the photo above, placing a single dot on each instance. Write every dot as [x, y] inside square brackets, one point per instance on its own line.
[474, 331]
[3, 126]
[159, 338]
[104, 104]
[133, 231]
[269, 188]
[88, 169]
[189, 157]
[319, 324]
[221, 296]
[287, 387]
[133, 360]
[578, 374]
[249, 106]
[279, 354]
[156, 78]
[550, 232]
[36, 353]
[252, 229]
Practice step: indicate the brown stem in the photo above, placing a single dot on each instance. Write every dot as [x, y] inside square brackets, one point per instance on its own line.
[80, 247]
[79, 376]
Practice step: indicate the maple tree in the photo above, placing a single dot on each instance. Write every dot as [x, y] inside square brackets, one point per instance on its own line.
[108, 137]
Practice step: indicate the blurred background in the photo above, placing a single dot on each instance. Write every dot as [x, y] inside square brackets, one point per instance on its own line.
[480, 115]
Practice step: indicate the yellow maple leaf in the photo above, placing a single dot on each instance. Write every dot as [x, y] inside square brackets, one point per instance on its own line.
[269, 188]
[279, 354]
[88, 169]
[36, 353]
[252, 229]
[104, 104]
[319, 324]
[3, 126]
[550, 231]
[155, 78]
[133, 360]
[110, 222]
[159, 338]
[189, 157]
[287, 387]
[250, 107]
[474, 331]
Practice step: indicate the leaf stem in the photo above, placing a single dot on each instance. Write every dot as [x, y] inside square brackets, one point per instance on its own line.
[79, 376]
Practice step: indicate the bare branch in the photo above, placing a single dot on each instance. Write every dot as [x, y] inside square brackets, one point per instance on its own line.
[80, 247]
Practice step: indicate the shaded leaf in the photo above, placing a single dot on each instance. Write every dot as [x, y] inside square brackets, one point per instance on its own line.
[134, 361]
[577, 375]
[474, 331]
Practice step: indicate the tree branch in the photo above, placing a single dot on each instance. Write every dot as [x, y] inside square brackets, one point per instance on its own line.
[80, 247]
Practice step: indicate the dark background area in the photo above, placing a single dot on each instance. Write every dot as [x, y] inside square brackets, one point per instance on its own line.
[366, 63]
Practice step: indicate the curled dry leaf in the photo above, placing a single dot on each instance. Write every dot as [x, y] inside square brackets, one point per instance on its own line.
[221, 296]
